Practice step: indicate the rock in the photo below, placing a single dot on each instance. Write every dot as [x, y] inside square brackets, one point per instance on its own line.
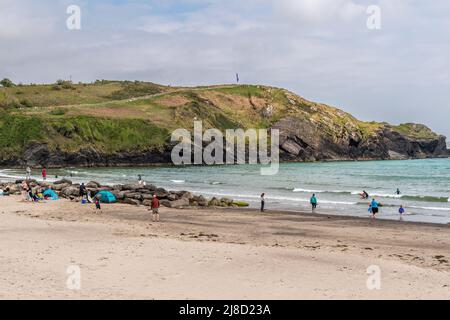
[214, 202]
[93, 184]
[202, 201]
[120, 195]
[118, 187]
[240, 204]
[59, 187]
[133, 202]
[227, 201]
[63, 181]
[70, 191]
[150, 187]
[183, 202]
[185, 194]
[147, 203]
[173, 197]
[135, 186]
[165, 203]
[162, 193]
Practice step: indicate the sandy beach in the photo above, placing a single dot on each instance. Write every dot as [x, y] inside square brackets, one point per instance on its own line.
[214, 254]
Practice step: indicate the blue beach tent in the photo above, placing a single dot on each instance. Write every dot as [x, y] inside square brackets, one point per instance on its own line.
[50, 194]
[106, 197]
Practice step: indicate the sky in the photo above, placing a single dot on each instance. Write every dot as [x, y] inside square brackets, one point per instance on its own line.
[322, 50]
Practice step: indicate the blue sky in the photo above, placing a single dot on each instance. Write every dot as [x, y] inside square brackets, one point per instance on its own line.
[320, 49]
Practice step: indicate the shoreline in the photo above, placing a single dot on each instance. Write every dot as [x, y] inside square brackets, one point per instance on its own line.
[214, 254]
[169, 164]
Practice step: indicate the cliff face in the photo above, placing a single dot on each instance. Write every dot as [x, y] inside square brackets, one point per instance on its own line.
[129, 123]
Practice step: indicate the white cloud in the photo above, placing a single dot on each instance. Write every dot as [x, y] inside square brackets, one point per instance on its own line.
[320, 49]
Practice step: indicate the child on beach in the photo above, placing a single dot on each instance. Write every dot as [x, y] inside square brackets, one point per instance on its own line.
[44, 173]
[98, 206]
[401, 210]
[28, 173]
[155, 209]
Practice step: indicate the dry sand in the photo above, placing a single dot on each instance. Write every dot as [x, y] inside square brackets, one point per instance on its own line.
[214, 254]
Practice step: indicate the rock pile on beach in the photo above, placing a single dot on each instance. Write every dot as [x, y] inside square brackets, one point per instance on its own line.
[133, 194]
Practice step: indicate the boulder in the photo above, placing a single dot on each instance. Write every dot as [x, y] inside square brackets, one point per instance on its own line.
[162, 193]
[147, 203]
[133, 202]
[227, 201]
[214, 202]
[183, 202]
[165, 203]
[59, 187]
[63, 181]
[134, 186]
[70, 192]
[93, 184]
[150, 187]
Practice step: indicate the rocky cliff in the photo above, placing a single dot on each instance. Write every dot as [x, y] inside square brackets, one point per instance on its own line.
[110, 123]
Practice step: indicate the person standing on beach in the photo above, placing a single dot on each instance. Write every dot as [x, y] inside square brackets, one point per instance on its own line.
[374, 207]
[263, 201]
[82, 190]
[313, 202]
[44, 173]
[140, 179]
[28, 173]
[155, 208]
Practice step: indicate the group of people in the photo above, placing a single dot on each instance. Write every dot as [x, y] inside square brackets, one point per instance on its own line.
[313, 201]
[373, 206]
[29, 195]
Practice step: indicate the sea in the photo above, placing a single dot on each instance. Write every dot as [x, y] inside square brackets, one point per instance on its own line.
[424, 185]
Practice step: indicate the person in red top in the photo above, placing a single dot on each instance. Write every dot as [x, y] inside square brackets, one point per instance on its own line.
[155, 208]
[44, 173]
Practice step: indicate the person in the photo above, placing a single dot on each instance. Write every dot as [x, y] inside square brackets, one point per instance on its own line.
[44, 173]
[374, 207]
[28, 172]
[401, 210]
[313, 202]
[98, 206]
[82, 190]
[24, 190]
[155, 208]
[263, 201]
[398, 191]
[364, 195]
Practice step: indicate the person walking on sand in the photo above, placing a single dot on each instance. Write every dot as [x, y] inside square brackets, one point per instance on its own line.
[155, 209]
[44, 173]
[263, 201]
[374, 207]
[28, 173]
[313, 202]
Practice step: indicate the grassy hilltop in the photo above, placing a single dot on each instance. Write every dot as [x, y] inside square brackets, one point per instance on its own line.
[112, 116]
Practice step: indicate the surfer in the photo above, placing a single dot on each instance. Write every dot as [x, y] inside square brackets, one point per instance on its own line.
[364, 195]
[398, 192]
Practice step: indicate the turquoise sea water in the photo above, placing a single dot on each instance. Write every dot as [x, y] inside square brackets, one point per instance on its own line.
[424, 185]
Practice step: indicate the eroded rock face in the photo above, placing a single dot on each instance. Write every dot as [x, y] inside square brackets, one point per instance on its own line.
[307, 140]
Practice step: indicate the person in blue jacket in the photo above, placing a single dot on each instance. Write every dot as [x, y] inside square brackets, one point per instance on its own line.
[374, 207]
